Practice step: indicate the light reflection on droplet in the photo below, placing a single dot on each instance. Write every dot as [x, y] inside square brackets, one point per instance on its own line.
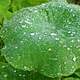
[32, 34]
[5, 75]
[3, 66]
[57, 39]
[23, 26]
[49, 49]
[53, 34]
[68, 48]
[14, 71]
[74, 58]
[16, 47]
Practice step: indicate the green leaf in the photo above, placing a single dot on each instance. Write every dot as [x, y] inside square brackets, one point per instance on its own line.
[44, 38]
[71, 78]
[18, 4]
[1, 43]
[4, 6]
[7, 72]
[2, 59]
[77, 72]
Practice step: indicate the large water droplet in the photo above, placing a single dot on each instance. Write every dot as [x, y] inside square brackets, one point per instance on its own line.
[74, 58]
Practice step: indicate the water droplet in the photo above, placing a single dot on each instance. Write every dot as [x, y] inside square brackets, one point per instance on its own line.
[3, 66]
[11, 57]
[73, 15]
[74, 58]
[71, 10]
[64, 46]
[72, 34]
[78, 40]
[39, 37]
[53, 34]
[61, 42]
[71, 46]
[20, 75]
[68, 48]
[43, 5]
[24, 33]
[15, 71]
[42, 70]
[57, 39]
[72, 41]
[21, 41]
[73, 67]
[25, 67]
[64, 62]
[5, 75]
[28, 22]
[35, 11]
[49, 49]
[23, 26]
[4, 47]
[69, 31]
[24, 75]
[16, 47]
[32, 34]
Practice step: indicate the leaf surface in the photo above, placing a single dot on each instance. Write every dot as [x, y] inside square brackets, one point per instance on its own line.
[7, 72]
[44, 38]
[71, 78]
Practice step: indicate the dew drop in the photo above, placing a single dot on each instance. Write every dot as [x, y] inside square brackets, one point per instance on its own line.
[53, 34]
[64, 62]
[15, 71]
[3, 66]
[57, 39]
[20, 75]
[21, 41]
[74, 58]
[64, 46]
[5, 75]
[16, 47]
[42, 70]
[78, 46]
[39, 37]
[24, 75]
[35, 11]
[23, 26]
[11, 57]
[25, 67]
[69, 31]
[78, 40]
[72, 41]
[32, 34]
[72, 34]
[24, 33]
[28, 22]
[73, 67]
[68, 48]
[49, 49]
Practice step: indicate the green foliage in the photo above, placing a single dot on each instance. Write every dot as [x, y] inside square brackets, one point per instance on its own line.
[7, 72]
[41, 41]
[44, 38]
[18, 4]
[4, 5]
[71, 78]
[77, 72]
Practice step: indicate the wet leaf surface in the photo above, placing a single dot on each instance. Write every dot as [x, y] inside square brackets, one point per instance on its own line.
[44, 38]
[7, 72]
